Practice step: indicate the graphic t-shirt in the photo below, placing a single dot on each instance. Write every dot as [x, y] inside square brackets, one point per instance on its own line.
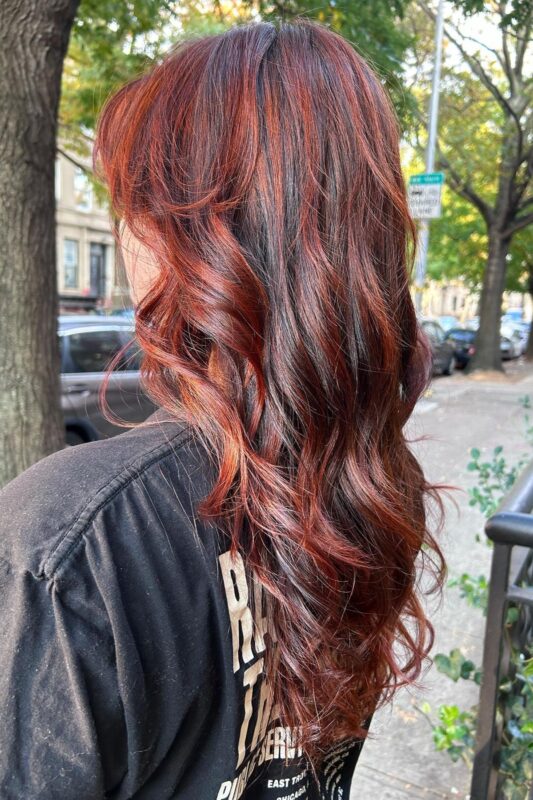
[131, 665]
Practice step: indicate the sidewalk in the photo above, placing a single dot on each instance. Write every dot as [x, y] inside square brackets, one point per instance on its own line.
[400, 762]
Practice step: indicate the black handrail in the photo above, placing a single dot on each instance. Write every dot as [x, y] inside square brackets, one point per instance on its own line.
[511, 531]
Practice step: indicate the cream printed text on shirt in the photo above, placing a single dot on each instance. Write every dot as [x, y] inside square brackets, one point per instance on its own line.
[257, 743]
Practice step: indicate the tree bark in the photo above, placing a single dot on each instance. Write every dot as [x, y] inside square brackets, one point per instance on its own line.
[33, 42]
[528, 354]
[487, 355]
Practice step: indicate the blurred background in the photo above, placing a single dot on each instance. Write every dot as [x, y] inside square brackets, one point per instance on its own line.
[460, 76]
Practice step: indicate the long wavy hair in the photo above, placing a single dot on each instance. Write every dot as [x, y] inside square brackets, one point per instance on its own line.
[261, 167]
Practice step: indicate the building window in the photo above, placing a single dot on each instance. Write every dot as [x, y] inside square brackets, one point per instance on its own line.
[97, 269]
[71, 263]
[83, 194]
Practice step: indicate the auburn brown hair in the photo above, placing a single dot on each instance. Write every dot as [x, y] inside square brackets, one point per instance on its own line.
[261, 166]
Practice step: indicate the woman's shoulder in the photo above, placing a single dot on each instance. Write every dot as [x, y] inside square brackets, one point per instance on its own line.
[108, 636]
[48, 507]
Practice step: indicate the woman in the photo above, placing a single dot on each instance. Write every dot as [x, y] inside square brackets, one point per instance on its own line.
[213, 604]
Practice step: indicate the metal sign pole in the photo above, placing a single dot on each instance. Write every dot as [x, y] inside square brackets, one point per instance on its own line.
[423, 231]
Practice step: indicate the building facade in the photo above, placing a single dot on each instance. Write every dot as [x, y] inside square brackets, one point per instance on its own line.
[455, 298]
[88, 276]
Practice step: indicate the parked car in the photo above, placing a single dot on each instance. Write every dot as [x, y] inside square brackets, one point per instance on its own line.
[515, 332]
[523, 329]
[128, 313]
[448, 321]
[511, 344]
[462, 340]
[443, 351]
[87, 345]
[513, 315]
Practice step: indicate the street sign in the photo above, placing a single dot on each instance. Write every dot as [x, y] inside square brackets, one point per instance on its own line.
[424, 195]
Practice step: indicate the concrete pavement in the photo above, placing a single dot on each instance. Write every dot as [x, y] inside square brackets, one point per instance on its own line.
[459, 413]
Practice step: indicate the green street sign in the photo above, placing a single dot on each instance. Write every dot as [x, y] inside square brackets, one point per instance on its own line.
[424, 195]
[427, 177]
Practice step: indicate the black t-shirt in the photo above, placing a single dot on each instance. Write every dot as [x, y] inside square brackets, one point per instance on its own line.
[130, 665]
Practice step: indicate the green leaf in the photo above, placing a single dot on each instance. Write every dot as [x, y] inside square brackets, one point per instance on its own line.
[443, 663]
[467, 667]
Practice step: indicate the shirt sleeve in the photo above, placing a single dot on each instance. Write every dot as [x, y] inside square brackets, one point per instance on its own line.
[108, 636]
[62, 732]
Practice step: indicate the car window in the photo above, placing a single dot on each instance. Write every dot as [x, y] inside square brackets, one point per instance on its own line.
[433, 331]
[91, 351]
[132, 356]
[439, 332]
[428, 327]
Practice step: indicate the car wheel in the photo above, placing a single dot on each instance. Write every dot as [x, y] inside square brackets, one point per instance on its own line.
[73, 438]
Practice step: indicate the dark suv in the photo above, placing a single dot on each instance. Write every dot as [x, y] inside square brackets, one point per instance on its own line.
[87, 345]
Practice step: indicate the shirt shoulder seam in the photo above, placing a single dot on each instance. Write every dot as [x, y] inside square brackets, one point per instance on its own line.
[102, 497]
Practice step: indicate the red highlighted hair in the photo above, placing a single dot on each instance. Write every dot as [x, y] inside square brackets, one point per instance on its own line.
[261, 166]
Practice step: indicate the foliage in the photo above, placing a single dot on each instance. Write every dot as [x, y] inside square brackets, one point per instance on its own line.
[484, 147]
[472, 130]
[516, 698]
[513, 17]
[456, 666]
[454, 730]
[458, 242]
[454, 733]
[473, 589]
[495, 478]
[110, 43]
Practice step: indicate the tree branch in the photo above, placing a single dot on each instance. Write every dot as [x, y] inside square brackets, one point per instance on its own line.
[460, 185]
[465, 189]
[477, 68]
[72, 160]
[525, 203]
[520, 186]
[77, 131]
[474, 62]
[523, 43]
[508, 66]
[492, 50]
[519, 222]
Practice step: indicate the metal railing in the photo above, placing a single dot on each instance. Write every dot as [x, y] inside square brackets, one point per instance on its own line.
[511, 581]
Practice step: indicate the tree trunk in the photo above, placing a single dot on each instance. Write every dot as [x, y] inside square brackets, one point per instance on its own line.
[33, 42]
[487, 355]
[528, 355]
